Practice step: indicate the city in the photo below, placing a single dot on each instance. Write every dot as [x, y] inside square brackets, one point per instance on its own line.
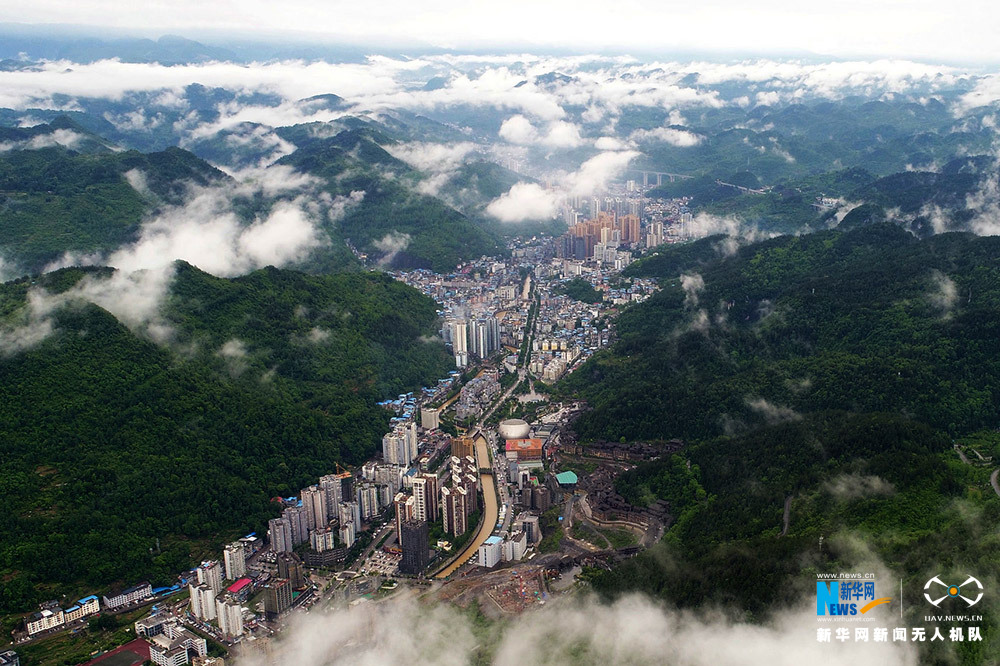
[464, 485]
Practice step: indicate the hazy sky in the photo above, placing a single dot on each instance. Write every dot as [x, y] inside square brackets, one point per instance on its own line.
[960, 30]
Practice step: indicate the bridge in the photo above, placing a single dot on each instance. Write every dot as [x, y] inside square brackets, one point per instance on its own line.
[659, 175]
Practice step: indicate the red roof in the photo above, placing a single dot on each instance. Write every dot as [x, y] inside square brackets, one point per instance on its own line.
[239, 585]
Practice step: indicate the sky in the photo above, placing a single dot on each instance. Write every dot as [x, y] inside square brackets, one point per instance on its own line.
[957, 31]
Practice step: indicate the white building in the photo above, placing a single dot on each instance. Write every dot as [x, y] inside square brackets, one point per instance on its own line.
[491, 552]
[314, 503]
[45, 620]
[83, 608]
[279, 533]
[230, 615]
[202, 601]
[235, 558]
[130, 596]
[175, 646]
[210, 573]
[429, 418]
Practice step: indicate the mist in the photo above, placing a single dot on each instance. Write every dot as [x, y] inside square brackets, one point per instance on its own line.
[571, 631]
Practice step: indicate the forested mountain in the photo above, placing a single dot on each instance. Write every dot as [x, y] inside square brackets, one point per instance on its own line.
[833, 368]
[393, 222]
[54, 200]
[109, 442]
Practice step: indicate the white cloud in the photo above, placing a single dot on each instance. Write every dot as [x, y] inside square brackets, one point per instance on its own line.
[692, 284]
[525, 201]
[518, 129]
[675, 137]
[632, 630]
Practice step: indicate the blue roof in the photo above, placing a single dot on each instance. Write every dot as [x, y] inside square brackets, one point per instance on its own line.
[494, 540]
[92, 597]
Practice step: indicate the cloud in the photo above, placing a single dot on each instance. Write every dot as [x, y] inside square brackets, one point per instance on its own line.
[558, 134]
[205, 231]
[580, 630]
[943, 293]
[675, 137]
[855, 486]
[57, 137]
[392, 244]
[525, 201]
[133, 298]
[518, 129]
[434, 158]
[692, 284]
[772, 413]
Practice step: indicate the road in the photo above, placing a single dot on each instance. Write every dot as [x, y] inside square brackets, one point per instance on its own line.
[491, 512]
[993, 481]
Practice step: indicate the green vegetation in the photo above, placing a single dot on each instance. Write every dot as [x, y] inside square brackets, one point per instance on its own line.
[868, 320]
[66, 649]
[580, 290]
[393, 222]
[552, 531]
[834, 369]
[109, 442]
[54, 201]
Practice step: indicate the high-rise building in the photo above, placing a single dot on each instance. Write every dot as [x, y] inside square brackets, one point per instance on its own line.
[459, 343]
[491, 552]
[368, 500]
[453, 507]
[405, 507]
[210, 573]
[399, 447]
[290, 567]
[235, 558]
[202, 601]
[298, 523]
[333, 489]
[347, 534]
[277, 597]
[350, 514]
[279, 533]
[425, 494]
[416, 549]
[230, 616]
[323, 539]
[314, 503]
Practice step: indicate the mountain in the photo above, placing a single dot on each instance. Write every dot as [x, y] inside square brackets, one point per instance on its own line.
[830, 371]
[109, 442]
[394, 222]
[55, 200]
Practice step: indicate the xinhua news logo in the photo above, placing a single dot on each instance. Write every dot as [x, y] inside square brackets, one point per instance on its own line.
[846, 597]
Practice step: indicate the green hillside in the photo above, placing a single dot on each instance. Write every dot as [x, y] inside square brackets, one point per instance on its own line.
[55, 200]
[109, 442]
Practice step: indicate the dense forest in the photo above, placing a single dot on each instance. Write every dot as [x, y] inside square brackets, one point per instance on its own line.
[393, 222]
[109, 442]
[833, 371]
[54, 200]
[870, 320]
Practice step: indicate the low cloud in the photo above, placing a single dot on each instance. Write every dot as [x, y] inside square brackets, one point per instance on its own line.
[673, 136]
[558, 134]
[855, 486]
[392, 244]
[58, 137]
[943, 293]
[632, 630]
[772, 413]
[204, 231]
[523, 202]
[692, 284]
